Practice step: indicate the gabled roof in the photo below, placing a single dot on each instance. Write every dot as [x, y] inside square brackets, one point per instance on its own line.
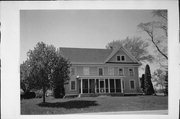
[90, 56]
[123, 49]
[85, 55]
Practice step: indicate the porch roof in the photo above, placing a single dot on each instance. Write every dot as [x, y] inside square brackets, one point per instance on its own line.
[99, 77]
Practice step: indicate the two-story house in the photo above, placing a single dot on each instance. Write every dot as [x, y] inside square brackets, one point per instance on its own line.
[101, 71]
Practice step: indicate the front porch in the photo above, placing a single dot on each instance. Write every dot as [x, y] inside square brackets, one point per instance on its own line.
[89, 86]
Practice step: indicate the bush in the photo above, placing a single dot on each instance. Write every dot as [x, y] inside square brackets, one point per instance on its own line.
[28, 95]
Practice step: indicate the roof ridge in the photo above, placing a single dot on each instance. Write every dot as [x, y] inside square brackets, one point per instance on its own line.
[85, 48]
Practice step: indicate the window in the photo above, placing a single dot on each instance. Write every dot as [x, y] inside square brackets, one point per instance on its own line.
[121, 72]
[72, 85]
[86, 70]
[111, 71]
[132, 85]
[72, 71]
[100, 71]
[131, 73]
[122, 58]
[118, 58]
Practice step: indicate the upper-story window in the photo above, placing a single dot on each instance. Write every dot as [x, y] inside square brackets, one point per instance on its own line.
[100, 71]
[86, 70]
[72, 71]
[131, 72]
[121, 72]
[111, 71]
[120, 58]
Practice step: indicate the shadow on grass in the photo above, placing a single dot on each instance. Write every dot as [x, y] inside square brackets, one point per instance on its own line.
[69, 104]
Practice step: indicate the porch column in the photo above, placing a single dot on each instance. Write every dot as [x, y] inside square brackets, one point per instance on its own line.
[105, 85]
[88, 85]
[81, 86]
[95, 85]
[99, 86]
[121, 86]
[115, 85]
[109, 85]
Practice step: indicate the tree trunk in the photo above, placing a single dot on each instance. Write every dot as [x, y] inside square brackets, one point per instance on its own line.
[44, 92]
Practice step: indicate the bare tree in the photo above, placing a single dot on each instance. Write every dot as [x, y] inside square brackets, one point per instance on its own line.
[155, 31]
[136, 46]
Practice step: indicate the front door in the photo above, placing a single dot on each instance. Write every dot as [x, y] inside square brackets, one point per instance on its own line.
[102, 86]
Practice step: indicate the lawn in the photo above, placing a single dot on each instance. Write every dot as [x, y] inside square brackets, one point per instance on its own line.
[93, 104]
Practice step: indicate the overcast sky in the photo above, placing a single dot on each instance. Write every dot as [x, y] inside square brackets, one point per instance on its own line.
[78, 28]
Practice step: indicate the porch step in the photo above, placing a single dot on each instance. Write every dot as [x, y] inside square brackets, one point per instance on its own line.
[96, 95]
[70, 96]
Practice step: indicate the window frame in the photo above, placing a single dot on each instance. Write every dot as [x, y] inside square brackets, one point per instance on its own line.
[74, 85]
[130, 84]
[124, 58]
[122, 71]
[118, 58]
[132, 71]
[102, 71]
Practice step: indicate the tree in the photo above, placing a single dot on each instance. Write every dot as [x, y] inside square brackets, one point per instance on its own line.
[142, 83]
[160, 79]
[155, 31]
[24, 75]
[148, 87]
[61, 70]
[136, 46]
[43, 62]
[166, 83]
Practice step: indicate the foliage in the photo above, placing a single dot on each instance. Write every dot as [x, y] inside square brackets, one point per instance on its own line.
[59, 91]
[148, 87]
[159, 78]
[136, 46]
[142, 82]
[60, 72]
[166, 83]
[24, 75]
[44, 63]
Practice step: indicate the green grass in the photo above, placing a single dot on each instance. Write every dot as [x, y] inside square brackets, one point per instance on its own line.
[93, 104]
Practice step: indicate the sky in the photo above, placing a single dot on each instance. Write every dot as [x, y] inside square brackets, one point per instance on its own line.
[78, 28]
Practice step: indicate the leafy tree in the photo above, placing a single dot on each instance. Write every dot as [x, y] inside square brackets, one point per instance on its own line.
[159, 78]
[43, 64]
[24, 75]
[148, 87]
[61, 70]
[136, 46]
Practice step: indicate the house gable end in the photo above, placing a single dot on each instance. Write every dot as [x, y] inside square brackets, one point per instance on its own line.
[121, 52]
